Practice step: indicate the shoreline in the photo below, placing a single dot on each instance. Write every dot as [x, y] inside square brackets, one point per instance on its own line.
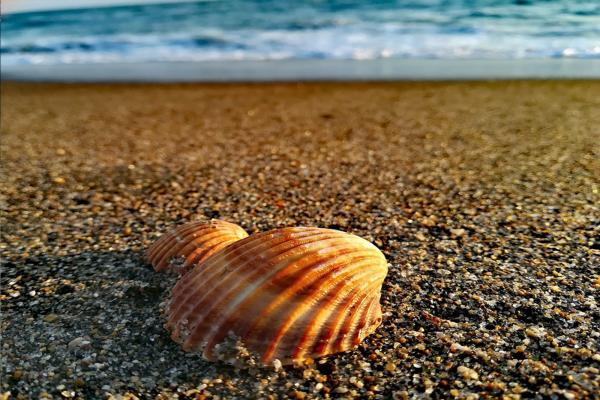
[308, 70]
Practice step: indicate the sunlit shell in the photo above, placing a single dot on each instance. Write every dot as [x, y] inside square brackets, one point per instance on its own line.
[191, 243]
[285, 295]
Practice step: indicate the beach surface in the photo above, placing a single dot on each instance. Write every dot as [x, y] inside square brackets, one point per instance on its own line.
[483, 196]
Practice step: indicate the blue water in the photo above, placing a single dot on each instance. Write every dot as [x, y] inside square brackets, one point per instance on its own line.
[290, 29]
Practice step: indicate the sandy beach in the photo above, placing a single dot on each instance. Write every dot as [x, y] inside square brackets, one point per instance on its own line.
[484, 198]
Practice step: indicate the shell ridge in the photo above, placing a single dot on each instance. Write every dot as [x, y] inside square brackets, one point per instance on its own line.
[188, 244]
[232, 291]
[356, 327]
[213, 332]
[214, 328]
[350, 323]
[375, 315]
[161, 242]
[313, 312]
[324, 312]
[214, 267]
[282, 256]
[233, 274]
[185, 239]
[292, 290]
[195, 228]
[197, 241]
[241, 247]
[315, 286]
[368, 323]
[362, 322]
[201, 256]
[171, 242]
[206, 248]
[289, 291]
[184, 287]
[337, 344]
[169, 239]
[326, 335]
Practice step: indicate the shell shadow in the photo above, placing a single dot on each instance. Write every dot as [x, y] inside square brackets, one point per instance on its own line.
[95, 318]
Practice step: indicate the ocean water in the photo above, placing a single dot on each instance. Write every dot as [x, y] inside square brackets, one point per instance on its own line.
[290, 29]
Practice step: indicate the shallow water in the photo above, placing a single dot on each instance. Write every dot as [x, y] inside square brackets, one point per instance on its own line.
[287, 29]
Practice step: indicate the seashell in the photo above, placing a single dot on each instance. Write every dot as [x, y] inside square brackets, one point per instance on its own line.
[287, 295]
[191, 243]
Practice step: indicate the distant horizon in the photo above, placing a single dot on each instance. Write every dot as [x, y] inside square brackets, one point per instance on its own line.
[28, 6]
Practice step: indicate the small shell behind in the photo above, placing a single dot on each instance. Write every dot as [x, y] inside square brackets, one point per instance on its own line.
[287, 294]
[189, 244]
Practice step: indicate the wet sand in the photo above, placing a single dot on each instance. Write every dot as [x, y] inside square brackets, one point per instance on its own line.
[386, 69]
[483, 197]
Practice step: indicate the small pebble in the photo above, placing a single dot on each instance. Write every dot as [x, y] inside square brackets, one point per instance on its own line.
[467, 373]
[50, 317]
[78, 343]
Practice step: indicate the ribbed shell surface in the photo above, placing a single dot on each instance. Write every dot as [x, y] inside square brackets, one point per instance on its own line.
[286, 294]
[189, 244]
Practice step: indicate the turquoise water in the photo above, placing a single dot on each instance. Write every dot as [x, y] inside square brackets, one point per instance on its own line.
[288, 29]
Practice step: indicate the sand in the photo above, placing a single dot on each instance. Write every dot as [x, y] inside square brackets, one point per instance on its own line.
[483, 197]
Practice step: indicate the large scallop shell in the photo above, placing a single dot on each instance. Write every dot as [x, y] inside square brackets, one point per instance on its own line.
[286, 294]
[191, 243]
